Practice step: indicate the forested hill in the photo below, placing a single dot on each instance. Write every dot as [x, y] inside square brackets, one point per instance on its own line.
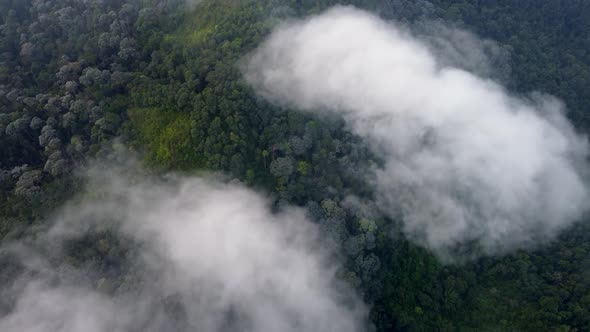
[82, 81]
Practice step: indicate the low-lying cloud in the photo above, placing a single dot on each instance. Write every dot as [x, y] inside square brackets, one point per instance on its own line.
[210, 256]
[465, 162]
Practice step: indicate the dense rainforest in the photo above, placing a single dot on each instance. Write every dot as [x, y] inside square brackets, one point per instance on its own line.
[82, 81]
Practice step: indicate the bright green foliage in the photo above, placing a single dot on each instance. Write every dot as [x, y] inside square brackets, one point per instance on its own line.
[165, 136]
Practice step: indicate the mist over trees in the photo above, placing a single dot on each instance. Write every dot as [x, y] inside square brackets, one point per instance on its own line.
[82, 81]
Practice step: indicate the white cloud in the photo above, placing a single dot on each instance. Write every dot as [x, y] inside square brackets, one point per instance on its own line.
[466, 162]
[227, 262]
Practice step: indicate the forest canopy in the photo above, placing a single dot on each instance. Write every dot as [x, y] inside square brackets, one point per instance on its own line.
[411, 165]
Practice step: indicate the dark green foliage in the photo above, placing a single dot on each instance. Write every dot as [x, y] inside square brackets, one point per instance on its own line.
[549, 39]
[75, 76]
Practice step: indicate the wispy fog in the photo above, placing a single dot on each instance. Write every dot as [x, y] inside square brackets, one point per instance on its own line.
[207, 256]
